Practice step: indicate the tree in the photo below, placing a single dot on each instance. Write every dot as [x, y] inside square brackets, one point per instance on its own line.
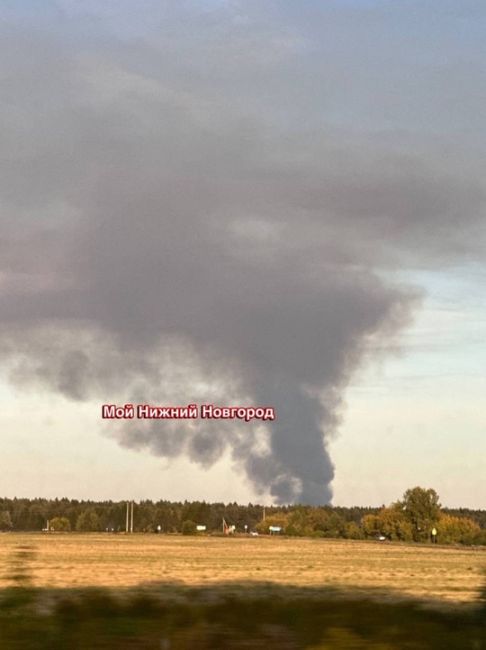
[60, 524]
[371, 525]
[353, 531]
[394, 525]
[422, 509]
[333, 526]
[279, 519]
[5, 521]
[457, 530]
[297, 523]
[88, 521]
[189, 527]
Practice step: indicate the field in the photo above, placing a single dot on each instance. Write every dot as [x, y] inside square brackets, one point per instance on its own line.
[117, 561]
[155, 592]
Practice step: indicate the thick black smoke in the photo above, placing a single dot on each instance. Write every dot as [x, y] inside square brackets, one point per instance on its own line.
[164, 241]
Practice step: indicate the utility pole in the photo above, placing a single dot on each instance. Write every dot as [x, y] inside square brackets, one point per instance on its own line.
[126, 525]
[131, 519]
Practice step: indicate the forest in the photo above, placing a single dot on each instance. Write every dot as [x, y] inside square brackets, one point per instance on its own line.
[410, 519]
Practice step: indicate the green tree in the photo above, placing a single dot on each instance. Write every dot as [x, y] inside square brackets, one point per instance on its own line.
[332, 526]
[189, 527]
[60, 524]
[5, 520]
[298, 523]
[88, 521]
[353, 531]
[421, 508]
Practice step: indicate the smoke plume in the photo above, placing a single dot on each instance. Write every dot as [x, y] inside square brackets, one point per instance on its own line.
[175, 230]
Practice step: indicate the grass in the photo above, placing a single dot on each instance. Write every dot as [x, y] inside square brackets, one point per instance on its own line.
[453, 574]
[143, 592]
[95, 619]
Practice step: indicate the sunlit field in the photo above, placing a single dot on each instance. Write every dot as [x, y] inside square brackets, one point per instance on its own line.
[115, 561]
[153, 592]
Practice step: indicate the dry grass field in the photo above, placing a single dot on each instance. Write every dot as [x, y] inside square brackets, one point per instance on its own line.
[77, 560]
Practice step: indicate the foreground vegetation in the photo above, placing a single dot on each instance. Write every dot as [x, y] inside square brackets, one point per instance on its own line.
[209, 620]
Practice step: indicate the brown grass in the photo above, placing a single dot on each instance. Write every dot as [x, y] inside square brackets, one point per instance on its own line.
[81, 560]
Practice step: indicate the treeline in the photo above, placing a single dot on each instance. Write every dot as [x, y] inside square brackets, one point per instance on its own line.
[413, 518]
[33, 515]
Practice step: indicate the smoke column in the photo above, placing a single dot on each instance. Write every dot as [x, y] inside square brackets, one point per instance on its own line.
[175, 229]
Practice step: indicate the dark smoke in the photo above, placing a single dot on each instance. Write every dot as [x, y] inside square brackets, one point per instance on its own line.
[166, 241]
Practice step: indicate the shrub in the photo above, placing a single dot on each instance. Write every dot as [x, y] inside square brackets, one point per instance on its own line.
[60, 524]
[189, 527]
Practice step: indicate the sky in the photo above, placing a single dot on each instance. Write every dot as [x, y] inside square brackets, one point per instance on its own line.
[238, 202]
